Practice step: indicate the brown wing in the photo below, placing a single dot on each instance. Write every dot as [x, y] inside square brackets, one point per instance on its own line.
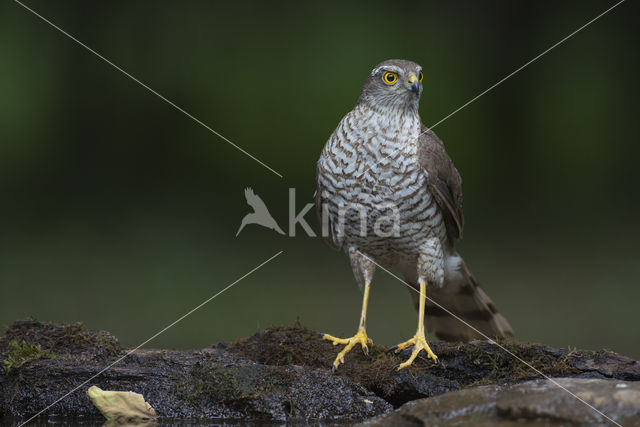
[444, 182]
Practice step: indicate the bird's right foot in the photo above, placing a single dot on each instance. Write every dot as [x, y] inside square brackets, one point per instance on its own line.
[359, 338]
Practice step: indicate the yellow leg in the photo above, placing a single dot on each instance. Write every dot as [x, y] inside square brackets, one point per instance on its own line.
[359, 338]
[419, 342]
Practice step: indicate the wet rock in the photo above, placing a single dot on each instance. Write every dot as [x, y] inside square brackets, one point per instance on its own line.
[262, 392]
[209, 383]
[543, 399]
[609, 365]
[474, 406]
[537, 402]
[278, 374]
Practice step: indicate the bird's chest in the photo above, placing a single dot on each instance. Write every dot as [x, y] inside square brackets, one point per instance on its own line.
[374, 188]
[374, 160]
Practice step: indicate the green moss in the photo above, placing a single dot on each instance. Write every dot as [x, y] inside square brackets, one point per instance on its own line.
[71, 340]
[19, 353]
[75, 336]
[507, 367]
[223, 384]
[276, 379]
[233, 385]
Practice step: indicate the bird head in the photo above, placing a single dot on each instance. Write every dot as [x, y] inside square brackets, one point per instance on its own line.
[394, 84]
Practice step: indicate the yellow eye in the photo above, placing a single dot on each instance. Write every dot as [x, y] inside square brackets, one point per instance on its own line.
[420, 76]
[389, 78]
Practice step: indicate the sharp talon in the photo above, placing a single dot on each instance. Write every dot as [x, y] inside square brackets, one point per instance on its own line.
[333, 368]
[359, 338]
[396, 368]
[419, 344]
[390, 349]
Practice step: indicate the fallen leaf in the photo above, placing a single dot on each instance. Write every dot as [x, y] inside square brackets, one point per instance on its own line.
[121, 406]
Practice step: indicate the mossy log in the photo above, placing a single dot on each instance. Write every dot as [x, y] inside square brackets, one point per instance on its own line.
[278, 374]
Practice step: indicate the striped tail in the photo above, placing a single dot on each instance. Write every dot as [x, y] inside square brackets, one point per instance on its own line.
[462, 296]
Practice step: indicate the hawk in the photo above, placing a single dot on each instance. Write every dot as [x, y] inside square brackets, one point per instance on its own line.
[388, 194]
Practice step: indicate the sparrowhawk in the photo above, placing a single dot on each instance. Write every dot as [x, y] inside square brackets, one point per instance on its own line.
[388, 194]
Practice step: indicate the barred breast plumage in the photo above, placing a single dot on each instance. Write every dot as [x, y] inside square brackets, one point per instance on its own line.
[388, 194]
[371, 160]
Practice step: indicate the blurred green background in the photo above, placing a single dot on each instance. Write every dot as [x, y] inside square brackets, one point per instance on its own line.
[119, 211]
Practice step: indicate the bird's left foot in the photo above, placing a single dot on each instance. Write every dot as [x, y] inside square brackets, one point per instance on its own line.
[419, 343]
[359, 338]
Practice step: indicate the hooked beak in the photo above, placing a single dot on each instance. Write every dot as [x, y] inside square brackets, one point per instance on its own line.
[413, 84]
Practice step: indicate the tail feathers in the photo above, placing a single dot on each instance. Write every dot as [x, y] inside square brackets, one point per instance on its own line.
[462, 296]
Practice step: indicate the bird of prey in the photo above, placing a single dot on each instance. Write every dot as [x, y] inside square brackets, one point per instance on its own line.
[260, 214]
[388, 194]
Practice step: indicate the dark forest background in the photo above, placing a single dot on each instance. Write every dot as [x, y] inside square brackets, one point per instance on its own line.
[119, 211]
